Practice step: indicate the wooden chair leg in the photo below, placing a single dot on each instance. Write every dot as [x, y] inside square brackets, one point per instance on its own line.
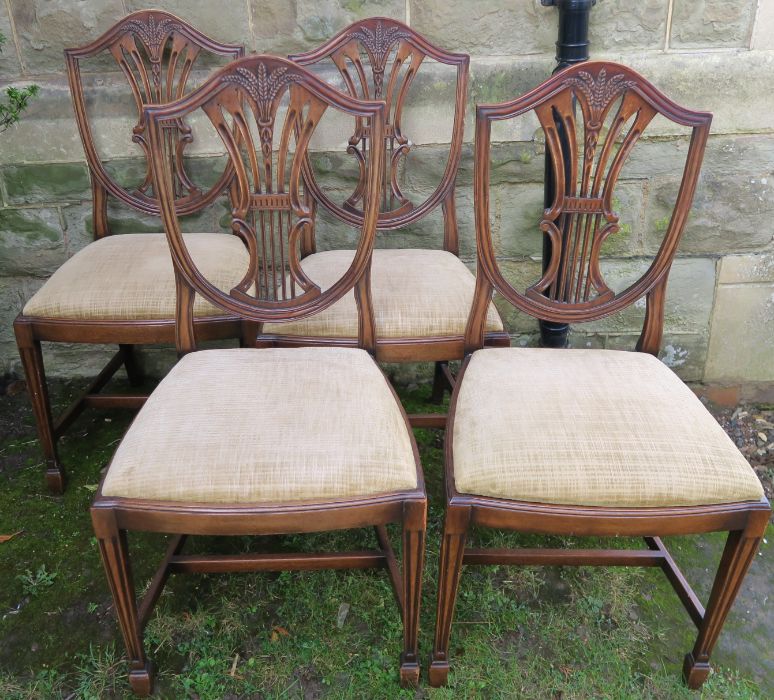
[115, 558]
[34, 372]
[414, 524]
[440, 383]
[741, 547]
[449, 568]
[132, 366]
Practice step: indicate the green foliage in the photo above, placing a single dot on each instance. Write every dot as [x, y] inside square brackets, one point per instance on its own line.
[17, 100]
[32, 584]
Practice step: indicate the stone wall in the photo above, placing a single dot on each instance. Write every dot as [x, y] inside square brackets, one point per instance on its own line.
[708, 54]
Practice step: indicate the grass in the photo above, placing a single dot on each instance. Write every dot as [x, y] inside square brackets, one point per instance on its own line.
[519, 632]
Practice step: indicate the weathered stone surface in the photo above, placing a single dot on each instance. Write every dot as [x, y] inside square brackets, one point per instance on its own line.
[45, 182]
[742, 334]
[739, 269]
[728, 215]
[31, 242]
[79, 225]
[298, 25]
[712, 23]
[685, 353]
[688, 303]
[14, 293]
[10, 67]
[488, 27]
[230, 27]
[625, 25]
[46, 27]
[763, 31]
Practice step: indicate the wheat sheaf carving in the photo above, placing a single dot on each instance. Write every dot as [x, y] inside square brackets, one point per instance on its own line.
[600, 89]
[153, 33]
[263, 86]
[378, 43]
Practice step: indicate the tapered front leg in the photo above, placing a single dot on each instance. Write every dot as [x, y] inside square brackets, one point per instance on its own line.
[741, 547]
[414, 524]
[35, 375]
[449, 568]
[115, 558]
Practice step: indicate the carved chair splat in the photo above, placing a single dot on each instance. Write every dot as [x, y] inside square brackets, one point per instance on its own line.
[420, 297]
[636, 454]
[335, 449]
[156, 52]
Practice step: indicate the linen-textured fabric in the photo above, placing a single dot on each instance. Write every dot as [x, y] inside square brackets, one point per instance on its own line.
[265, 425]
[590, 427]
[130, 277]
[416, 294]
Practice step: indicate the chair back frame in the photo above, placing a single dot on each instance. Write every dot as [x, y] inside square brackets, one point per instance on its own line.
[580, 217]
[156, 52]
[245, 91]
[381, 38]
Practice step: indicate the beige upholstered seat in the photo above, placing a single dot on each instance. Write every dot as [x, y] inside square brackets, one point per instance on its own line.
[247, 426]
[590, 427]
[130, 277]
[415, 294]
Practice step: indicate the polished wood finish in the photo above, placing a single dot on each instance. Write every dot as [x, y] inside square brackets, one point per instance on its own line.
[577, 221]
[248, 93]
[156, 52]
[380, 57]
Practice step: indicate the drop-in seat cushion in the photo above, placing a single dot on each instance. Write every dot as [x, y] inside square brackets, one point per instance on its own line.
[590, 427]
[130, 277]
[266, 425]
[416, 293]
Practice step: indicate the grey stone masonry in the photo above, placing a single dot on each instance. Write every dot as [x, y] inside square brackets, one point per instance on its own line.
[708, 54]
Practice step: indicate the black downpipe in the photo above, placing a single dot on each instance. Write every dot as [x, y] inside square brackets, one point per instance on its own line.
[572, 46]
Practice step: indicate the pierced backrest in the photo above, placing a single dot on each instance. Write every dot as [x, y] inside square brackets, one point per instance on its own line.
[156, 52]
[592, 115]
[265, 110]
[378, 58]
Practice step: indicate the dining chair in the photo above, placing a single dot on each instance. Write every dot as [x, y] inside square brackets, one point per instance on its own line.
[588, 442]
[265, 441]
[120, 289]
[421, 297]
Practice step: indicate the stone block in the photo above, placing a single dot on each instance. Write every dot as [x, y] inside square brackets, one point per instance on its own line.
[712, 23]
[689, 296]
[31, 242]
[10, 67]
[299, 25]
[231, 26]
[45, 182]
[627, 26]
[728, 214]
[742, 339]
[46, 27]
[763, 31]
[487, 27]
[684, 353]
[740, 269]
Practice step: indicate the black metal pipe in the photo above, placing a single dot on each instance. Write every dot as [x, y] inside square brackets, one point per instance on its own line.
[572, 46]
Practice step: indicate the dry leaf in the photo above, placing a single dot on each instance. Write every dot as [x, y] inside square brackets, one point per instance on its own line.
[5, 538]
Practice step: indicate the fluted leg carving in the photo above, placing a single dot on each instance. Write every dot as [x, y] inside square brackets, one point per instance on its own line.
[415, 516]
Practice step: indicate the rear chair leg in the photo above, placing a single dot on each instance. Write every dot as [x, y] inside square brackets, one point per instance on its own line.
[738, 554]
[115, 557]
[449, 568]
[440, 383]
[132, 366]
[414, 523]
[34, 372]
